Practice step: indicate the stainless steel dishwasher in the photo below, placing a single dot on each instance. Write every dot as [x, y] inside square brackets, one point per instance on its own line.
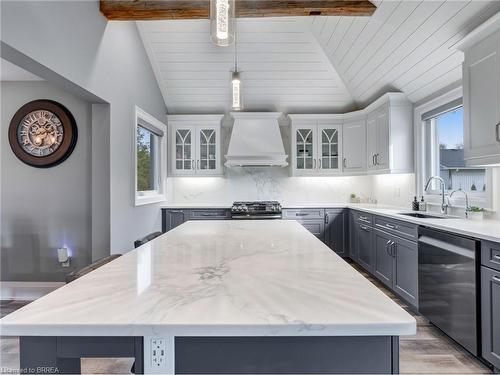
[447, 281]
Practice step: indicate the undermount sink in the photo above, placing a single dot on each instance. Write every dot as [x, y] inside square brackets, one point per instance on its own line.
[422, 216]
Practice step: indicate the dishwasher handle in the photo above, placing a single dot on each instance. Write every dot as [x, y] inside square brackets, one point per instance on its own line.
[463, 251]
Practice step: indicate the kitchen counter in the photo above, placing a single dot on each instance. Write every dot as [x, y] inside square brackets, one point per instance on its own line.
[218, 297]
[482, 229]
[219, 278]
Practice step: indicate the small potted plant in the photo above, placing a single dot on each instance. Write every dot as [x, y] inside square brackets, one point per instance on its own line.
[475, 213]
[353, 198]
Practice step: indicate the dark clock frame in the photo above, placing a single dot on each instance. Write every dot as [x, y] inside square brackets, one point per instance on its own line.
[69, 139]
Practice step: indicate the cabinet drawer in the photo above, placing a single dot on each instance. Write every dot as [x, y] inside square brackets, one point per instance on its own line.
[212, 214]
[316, 227]
[399, 228]
[304, 214]
[363, 217]
[490, 254]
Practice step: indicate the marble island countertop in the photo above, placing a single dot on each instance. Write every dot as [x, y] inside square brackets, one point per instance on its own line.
[482, 229]
[219, 278]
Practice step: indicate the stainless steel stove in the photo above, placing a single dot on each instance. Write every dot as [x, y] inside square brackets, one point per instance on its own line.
[256, 210]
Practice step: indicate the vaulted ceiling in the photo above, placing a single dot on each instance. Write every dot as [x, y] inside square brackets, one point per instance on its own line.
[315, 64]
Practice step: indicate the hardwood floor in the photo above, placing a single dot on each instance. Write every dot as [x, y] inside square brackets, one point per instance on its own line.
[428, 352]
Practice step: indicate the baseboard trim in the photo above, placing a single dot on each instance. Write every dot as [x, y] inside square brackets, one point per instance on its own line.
[27, 290]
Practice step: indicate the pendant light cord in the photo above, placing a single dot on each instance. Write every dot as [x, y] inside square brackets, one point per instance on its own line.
[235, 47]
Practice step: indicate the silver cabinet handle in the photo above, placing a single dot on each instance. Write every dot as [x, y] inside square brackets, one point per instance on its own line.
[376, 159]
[364, 228]
[198, 164]
[496, 278]
[498, 132]
[192, 164]
[314, 163]
[363, 218]
[387, 248]
[319, 164]
[496, 257]
[345, 163]
[176, 212]
[390, 226]
[327, 219]
[301, 214]
[373, 159]
[393, 249]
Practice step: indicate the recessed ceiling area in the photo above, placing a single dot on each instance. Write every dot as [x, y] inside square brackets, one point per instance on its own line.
[11, 72]
[315, 64]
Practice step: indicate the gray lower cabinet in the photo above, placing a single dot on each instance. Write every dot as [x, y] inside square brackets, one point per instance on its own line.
[352, 236]
[364, 246]
[172, 218]
[383, 265]
[316, 227]
[406, 270]
[396, 264]
[336, 230]
[490, 318]
[313, 219]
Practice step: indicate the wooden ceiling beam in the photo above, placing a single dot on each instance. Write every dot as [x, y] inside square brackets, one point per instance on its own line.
[143, 10]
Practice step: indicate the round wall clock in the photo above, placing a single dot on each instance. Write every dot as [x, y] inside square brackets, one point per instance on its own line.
[43, 133]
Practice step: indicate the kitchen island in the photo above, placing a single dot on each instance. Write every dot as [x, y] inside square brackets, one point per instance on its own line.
[218, 297]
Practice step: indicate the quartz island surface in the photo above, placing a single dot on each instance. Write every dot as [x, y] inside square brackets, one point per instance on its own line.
[217, 278]
[218, 297]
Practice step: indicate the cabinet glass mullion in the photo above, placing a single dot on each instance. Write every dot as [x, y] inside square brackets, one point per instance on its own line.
[304, 149]
[207, 149]
[183, 149]
[329, 148]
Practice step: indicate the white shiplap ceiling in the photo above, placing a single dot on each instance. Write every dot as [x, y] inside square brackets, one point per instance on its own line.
[283, 67]
[315, 64]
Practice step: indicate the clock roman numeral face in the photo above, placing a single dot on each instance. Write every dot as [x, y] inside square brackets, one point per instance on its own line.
[40, 133]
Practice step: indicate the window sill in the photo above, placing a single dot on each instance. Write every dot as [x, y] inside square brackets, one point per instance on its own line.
[141, 200]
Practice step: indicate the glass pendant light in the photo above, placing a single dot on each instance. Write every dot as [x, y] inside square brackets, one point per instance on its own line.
[236, 102]
[222, 22]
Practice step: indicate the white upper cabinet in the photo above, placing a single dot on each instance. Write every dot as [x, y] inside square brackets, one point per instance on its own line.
[378, 139]
[481, 87]
[195, 145]
[390, 135]
[316, 146]
[354, 146]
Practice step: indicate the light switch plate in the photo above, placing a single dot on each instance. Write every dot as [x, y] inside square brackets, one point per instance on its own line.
[159, 355]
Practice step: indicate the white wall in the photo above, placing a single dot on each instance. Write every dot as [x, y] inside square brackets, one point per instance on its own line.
[44, 209]
[74, 40]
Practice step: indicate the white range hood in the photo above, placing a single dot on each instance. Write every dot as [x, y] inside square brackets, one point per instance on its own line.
[256, 141]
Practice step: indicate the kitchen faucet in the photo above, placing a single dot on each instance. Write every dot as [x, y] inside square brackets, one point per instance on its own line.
[466, 201]
[444, 206]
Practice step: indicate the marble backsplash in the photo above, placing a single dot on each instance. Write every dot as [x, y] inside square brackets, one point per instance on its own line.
[277, 184]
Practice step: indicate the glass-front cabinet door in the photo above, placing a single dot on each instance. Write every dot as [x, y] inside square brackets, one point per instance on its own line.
[329, 148]
[184, 158]
[208, 156]
[304, 149]
[195, 145]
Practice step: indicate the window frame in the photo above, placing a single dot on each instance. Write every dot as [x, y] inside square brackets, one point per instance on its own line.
[482, 199]
[160, 130]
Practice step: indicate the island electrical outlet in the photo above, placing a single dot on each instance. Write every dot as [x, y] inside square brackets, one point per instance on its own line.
[159, 355]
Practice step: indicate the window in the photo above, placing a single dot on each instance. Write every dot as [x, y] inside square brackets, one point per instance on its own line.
[149, 158]
[444, 153]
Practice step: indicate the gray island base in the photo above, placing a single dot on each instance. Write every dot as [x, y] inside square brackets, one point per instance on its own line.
[221, 355]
